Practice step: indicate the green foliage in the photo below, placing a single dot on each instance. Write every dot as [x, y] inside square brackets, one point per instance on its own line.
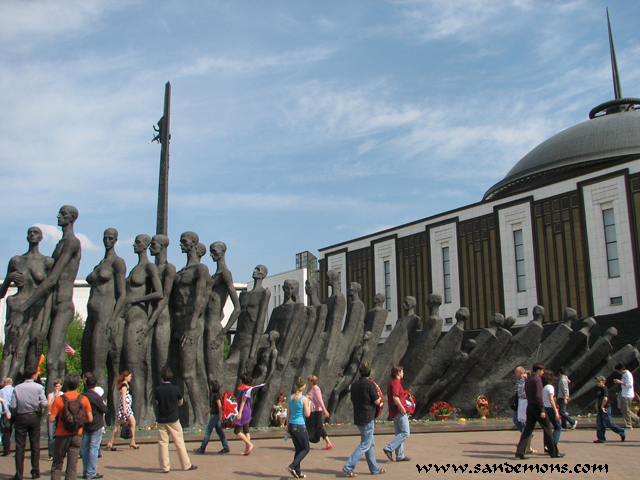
[226, 348]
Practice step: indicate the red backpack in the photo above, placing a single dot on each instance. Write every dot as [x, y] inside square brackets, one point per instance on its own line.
[381, 405]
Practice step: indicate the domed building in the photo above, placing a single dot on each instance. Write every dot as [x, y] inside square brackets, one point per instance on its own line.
[560, 230]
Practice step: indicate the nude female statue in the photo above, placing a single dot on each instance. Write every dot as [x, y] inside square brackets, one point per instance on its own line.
[66, 260]
[220, 287]
[160, 321]
[189, 297]
[144, 291]
[253, 313]
[106, 299]
[26, 272]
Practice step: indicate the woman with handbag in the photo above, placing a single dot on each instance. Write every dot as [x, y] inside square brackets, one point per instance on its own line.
[125, 414]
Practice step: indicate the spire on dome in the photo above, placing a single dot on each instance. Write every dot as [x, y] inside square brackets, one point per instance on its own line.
[617, 90]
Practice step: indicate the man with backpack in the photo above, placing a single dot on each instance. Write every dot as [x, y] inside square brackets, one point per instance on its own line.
[71, 410]
[27, 403]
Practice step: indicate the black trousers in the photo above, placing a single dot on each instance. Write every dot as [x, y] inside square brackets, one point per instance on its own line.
[6, 438]
[533, 416]
[66, 446]
[27, 424]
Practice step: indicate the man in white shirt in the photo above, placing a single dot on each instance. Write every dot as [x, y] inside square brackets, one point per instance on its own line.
[626, 396]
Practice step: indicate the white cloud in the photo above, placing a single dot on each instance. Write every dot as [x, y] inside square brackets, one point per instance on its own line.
[53, 234]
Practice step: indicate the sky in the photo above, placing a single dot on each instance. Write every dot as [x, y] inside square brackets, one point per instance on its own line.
[296, 125]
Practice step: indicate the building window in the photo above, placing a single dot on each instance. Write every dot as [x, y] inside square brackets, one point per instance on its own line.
[521, 279]
[616, 300]
[523, 312]
[339, 283]
[446, 269]
[388, 327]
[448, 320]
[387, 284]
[611, 240]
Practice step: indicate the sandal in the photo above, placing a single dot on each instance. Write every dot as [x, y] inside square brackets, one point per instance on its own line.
[531, 450]
[110, 448]
[327, 448]
[349, 474]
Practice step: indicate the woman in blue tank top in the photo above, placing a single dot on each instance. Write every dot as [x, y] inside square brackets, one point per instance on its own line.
[299, 408]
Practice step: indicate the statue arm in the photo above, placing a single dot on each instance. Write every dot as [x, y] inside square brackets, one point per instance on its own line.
[228, 279]
[119, 281]
[69, 249]
[201, 295]
[259, 328]
[169, 275]
[156, 293]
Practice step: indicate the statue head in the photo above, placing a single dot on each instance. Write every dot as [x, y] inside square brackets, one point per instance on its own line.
[201, 249]
[67, 215]
[509, 322]
[141, 243]
[588, 323]
[110, 238]
[159, 243]
[368, 335]
[354, 289]
[274, 336]
[408, 303]
[259, 272]
[610, 333]
[311, 286]
[463, 315]
[497, 320]
[34, 235]
[379, 300]
[291, 289]
[569, 315]
[217, 250]
[538, 312]
[188, 241]
[434, 300]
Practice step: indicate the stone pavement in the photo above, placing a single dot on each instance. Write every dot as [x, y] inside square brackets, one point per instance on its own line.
[440, 446]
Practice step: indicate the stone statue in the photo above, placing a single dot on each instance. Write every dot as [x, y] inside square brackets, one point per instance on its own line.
[576, 346]
[339, 351]
[144, 292]
[555, 342]
[220, 288]
[24, 341]
[189, 298]
[251, 322]
[336, 305]
[421, 347]
[584, 369]
[267, 365]
[66, 260]
[160, 320]
[106, 300]
[375, 320]
[394, 348]
[316, 314]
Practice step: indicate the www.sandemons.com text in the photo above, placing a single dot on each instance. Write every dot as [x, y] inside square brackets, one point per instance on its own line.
[507, 467]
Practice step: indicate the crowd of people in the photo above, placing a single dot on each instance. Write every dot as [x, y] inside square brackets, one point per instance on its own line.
[535, 402]
[76, 420]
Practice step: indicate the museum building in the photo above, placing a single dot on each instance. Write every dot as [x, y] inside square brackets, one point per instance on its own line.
[560, 230]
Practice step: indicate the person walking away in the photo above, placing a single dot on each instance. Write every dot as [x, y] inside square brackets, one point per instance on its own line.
[215, 409]
[70, 411]
[27, 403]
[536, 414]
[520, 415]
[626, 396]
[299, 410]
[92, 434]
[550, 407]
[365, 399]
[169, 398]
[6, 393]
[563, 400]
[603, 418]
[243, 419]
[51, 426]
[315, 422]
[398, 413]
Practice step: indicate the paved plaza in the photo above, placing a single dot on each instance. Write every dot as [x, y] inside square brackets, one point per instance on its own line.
[440, 446]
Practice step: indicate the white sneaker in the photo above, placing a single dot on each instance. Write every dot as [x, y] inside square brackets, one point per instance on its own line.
[575, 425]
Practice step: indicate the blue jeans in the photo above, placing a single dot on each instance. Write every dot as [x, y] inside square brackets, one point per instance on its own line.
[564, 416]
[555, 423]
[51, 436]
[401, 424]
[214, 422]
[366, 447]
[90, 450]
[300, 439]
[519, 425]
[603, 421]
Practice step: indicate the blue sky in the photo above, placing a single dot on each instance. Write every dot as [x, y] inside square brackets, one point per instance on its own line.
[295, 124]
